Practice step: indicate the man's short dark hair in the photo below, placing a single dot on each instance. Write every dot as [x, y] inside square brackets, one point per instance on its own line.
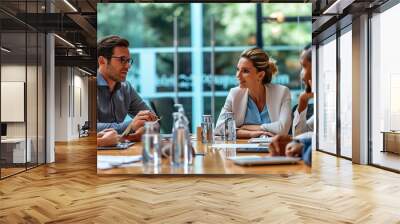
[105, 46]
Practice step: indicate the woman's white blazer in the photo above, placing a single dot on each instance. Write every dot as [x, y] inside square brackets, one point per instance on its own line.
[278, 101]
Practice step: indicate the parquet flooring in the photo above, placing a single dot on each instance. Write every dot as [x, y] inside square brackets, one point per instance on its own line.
[69, 191]
[10, 171]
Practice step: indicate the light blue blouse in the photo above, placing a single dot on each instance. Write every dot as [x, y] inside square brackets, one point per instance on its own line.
[253, 116]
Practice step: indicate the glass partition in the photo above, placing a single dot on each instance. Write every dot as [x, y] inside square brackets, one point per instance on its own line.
[14, 146]
[385, 89]
[327, 96]
[346, 94]
[22, 90]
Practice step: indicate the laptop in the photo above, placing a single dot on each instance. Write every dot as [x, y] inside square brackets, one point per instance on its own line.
[119, 146]
[253, 150]
[264, 160]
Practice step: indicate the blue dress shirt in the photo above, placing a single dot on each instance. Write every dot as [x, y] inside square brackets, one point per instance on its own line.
[307, 150]
[113, 107]
[253, 116]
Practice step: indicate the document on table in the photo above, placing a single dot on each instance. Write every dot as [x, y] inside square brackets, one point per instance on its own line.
[260, 140]
[107, 162]
[264, 160]
[119, 146]
[235, 146]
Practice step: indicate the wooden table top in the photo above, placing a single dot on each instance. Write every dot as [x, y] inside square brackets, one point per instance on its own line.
[214, 161]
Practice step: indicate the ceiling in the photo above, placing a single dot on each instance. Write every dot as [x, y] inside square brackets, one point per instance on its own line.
[329, 15]
[76, 25]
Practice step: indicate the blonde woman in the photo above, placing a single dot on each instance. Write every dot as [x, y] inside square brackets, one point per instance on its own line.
[259, 107]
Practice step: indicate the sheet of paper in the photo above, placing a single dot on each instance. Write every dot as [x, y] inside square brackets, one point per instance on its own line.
[244, 157]
[235, 146]
[106, 165]
[118, 160]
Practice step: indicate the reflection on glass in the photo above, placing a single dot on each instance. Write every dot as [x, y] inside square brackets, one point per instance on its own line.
[346, 95]
[15, 151]
[23, 83]
[385, 85]
[327, 97]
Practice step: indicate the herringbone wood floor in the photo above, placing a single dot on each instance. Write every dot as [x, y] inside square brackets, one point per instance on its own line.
[69, 191]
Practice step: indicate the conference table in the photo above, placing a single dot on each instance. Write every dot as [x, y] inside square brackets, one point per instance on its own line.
[207, 160]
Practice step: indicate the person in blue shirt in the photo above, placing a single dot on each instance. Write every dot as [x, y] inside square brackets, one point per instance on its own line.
[259, 107]
[116, 98]
[285, 145]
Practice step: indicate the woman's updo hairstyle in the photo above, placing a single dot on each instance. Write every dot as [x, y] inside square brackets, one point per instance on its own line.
[261, 62]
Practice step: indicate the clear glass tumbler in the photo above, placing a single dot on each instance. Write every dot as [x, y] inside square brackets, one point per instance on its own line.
[151, 153]
[207, 126]
[229, 128]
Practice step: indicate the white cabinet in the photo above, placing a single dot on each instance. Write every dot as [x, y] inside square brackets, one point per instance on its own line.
[15, 148]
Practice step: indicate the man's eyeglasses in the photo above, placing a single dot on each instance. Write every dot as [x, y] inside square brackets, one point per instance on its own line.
[124, 60]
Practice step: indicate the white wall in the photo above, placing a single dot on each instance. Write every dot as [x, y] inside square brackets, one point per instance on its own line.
[33, 126]
[71, 93]
[13, 73]
[80, 101]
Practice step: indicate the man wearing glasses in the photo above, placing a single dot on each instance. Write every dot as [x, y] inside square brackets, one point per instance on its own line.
[115, 97]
